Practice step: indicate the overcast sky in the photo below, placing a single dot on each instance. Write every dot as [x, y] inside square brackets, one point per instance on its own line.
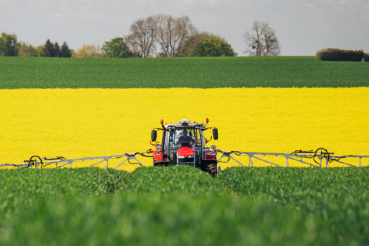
[302, 26]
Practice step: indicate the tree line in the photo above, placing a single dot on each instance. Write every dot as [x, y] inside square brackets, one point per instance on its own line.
[174, 37]
[9, 46]
[155, 36]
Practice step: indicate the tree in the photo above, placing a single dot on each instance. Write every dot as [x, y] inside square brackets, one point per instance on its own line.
[89, 51]
[65, 51]
[48, 49]
[172, 33]
[9, 45]
[26, 50]
[262, 41]
[190, 44]
[141, 41]
[213, 47]
[56, 50]
[116, 48]
[39, 50]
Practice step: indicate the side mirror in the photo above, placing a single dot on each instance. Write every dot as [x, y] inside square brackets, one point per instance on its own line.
[215, 134]
[153, 135]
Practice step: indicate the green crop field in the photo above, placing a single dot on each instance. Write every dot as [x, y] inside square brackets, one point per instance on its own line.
[30, 72]
[339, 197]
[183, 205]
[24, 187]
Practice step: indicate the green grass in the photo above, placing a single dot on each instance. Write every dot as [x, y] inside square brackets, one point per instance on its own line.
[157, 206]
[182, 179]
[183, 205]
[155, 219]
[37, 72]
[23, 188]
[339, 197]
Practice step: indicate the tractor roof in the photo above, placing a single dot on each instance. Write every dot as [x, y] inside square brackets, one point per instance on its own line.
[184, 124]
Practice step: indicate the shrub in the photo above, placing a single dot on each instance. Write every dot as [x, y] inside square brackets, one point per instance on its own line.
[26, 50]
[116, 48]
[366, 56]
[213, 47]
[89, 51]
[331, 54]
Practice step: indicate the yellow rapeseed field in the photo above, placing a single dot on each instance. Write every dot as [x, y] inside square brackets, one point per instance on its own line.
[93, 122]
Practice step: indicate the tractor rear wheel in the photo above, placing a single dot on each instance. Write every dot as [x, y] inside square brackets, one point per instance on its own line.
[211, 168]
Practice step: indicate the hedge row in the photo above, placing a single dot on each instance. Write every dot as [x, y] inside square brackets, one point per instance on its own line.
[341, 55]
[366, 56]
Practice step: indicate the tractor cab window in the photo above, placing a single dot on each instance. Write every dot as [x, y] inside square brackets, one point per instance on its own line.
[176, 137]
[184, 136]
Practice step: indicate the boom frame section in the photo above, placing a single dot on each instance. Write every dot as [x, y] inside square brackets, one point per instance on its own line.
[60, 162]
[324, 158]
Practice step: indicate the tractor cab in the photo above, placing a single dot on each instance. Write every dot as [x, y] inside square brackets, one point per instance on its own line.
[184, 143]
[184, 137]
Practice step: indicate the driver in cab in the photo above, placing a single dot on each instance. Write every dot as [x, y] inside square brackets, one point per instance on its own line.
[185, 138]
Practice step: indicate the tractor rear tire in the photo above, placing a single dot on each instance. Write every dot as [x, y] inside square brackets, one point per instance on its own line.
[211, 168]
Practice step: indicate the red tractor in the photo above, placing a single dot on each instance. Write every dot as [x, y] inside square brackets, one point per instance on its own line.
[184, 143]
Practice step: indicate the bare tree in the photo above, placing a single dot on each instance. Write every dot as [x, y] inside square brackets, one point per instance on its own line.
[272, 46]
[262, 41]
[172, 33]
[253, 40]
[142, 38]
[189, 45]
